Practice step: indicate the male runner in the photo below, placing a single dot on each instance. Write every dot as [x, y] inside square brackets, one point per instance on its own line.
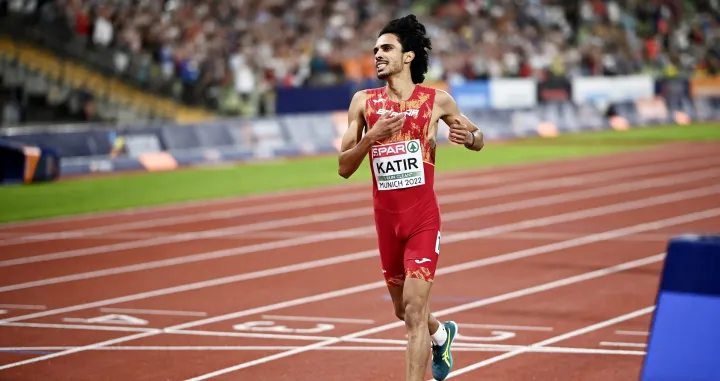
[400, 121]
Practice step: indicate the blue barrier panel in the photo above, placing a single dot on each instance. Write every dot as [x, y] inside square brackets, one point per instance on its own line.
[69, 144]
[76, 168]
[313, 99]
[560, 114]
[180, 137]
[216, 135]
[79, 166]
[672, 88]
[684, 342]
[707, 108]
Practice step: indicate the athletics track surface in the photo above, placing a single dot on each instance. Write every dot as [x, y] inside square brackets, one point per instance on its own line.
[550, 270]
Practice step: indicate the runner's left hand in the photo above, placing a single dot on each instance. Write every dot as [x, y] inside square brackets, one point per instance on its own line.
[459, 133]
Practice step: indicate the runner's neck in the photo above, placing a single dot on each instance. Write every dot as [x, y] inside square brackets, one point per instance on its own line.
[400, 91]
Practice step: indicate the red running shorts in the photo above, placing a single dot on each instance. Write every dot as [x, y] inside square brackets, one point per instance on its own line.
[409, 241]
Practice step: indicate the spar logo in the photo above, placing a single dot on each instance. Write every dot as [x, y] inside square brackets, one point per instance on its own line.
[413, 147]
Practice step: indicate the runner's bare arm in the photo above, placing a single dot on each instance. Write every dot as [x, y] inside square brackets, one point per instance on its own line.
[462, 130]
[354, 145]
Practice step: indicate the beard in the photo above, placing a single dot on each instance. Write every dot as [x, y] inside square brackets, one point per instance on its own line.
[389, 71]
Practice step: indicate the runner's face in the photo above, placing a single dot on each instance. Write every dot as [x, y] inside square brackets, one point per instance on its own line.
[388, 56]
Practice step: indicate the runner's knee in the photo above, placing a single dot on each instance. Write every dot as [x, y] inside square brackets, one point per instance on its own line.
[414, 312]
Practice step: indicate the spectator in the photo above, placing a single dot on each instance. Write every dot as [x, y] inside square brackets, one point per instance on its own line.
[265, 44]
[103, 29]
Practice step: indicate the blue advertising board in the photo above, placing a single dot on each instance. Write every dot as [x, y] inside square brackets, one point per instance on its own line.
[471, 95]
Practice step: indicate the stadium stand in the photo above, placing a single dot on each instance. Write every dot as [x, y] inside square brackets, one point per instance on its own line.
[49, 78]
[233, 57]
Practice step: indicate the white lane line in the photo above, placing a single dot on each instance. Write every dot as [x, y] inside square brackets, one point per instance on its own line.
[519, 188]
[79, 326]
[561, 350]
[463, 307]
[318, 319]
[140, 235]
[369, 286]
[242, 211]
[566, 165]
[152, 312]
[23, 306]
[553, 340]
[633, 333]
[345, 213]
[509, 327]
[618, 344]
[372, 253]
[558, 236]
[549, 200]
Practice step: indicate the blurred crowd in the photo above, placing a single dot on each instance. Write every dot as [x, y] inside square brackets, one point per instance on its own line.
[235, 52]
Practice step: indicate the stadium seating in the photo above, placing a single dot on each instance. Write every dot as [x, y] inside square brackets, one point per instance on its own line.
[228, 59]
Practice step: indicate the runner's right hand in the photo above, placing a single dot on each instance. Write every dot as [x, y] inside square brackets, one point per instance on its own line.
[386, 126]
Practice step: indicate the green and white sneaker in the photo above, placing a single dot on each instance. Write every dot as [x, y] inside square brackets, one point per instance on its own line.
[442, 360]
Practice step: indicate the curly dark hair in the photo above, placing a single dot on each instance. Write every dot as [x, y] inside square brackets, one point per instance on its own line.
[412, 36]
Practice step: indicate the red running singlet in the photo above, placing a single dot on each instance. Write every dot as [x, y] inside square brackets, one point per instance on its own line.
[407, 214]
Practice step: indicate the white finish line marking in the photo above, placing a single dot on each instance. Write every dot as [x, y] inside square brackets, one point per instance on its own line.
[553, 340]
[109, 319]
[153, 312]
[318, 319]
[507, 327]
[269, 326]
[463, 307]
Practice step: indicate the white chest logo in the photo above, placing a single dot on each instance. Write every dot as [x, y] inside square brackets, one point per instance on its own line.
[413, 112]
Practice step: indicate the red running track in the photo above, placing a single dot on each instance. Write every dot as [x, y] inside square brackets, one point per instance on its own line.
[551, 271]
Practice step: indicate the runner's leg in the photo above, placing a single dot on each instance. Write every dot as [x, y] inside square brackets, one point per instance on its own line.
[392, 256]
[396, 293]
[391, 250]
[422, 252]
[415, 300]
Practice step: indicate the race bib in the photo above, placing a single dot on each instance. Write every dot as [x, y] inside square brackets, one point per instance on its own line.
[398, 165]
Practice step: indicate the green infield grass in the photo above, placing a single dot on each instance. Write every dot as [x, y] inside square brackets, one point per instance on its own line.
[104, 193]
